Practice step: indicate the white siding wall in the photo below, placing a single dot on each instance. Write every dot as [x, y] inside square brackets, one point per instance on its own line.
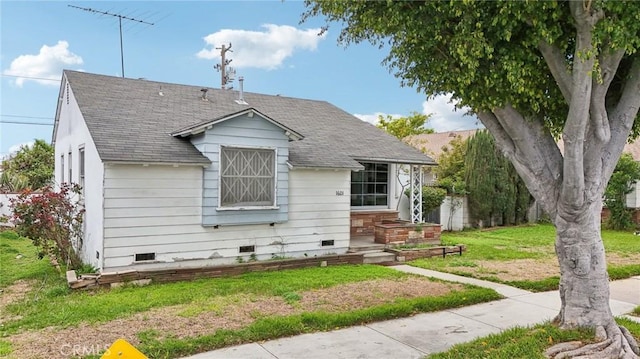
[72, 134]
[158, 209]
[633, 198]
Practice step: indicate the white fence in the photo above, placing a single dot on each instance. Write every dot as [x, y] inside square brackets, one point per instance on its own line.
[5, 209]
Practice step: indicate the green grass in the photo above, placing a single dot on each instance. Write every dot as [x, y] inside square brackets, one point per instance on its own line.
[51, 303]
[154, 346]
[5, 348]
[54, 305]
[523, 242]
[19, 260]
[636, 310]
[525, 343]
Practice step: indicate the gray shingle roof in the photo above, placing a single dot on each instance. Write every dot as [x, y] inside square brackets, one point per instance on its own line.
[132, 120]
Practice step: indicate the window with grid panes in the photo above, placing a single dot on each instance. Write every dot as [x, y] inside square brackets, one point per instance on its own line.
[371, 186]
[247, 177]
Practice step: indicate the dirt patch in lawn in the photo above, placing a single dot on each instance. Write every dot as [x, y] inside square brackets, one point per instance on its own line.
[532, 269]
[517, 269]
[13, 294]
[231, 312]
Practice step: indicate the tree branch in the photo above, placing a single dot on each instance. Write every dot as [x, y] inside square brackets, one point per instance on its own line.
[599, 130]
[556, 61]
[600, 85]
[573, 186]
[531, 149]
[622, 117]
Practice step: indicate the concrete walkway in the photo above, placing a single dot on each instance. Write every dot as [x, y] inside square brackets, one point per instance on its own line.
[423, 334]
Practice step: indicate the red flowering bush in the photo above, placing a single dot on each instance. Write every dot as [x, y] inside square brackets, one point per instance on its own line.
[53, 221]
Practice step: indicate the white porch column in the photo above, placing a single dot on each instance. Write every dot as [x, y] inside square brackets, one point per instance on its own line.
[416, 193]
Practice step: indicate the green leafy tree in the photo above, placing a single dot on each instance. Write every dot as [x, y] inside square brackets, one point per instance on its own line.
[621, 183]
[405, 126]
[31, 167]
[481, 170]
[530, 70]
[496, 194]
[451, 161]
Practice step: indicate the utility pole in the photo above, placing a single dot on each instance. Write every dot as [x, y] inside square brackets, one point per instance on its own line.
[226, 74]
[120, 17]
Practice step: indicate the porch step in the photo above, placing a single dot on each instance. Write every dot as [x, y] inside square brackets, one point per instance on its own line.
[378, 257]
[366, 248]
[366, 252]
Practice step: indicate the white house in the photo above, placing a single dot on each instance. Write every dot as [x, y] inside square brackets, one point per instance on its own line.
[185, 176]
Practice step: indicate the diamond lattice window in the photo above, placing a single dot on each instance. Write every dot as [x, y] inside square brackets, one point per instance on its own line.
[247, 177]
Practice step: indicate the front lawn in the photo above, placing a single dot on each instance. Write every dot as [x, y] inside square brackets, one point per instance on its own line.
[524, 256]
[40, 315]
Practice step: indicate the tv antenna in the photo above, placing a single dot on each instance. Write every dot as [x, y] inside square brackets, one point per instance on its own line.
[120, 18]
[226, 73]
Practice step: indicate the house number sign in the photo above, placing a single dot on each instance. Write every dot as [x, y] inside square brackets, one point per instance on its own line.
[339, 193]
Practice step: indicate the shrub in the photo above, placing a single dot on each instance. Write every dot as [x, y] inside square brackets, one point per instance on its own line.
[432, 198]
[53, 221]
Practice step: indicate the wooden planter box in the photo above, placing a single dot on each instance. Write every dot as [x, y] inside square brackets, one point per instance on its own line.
[405, 232]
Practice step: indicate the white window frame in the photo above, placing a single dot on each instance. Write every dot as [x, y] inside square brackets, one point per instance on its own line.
[274, 205]
[70, 159]
[374, 207]
[62, 168]
[81, 167]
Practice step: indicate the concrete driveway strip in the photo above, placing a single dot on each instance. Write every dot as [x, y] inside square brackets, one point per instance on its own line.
[245, 351]
[434, 332]
[356, 342]
[503, 289]
[626, 290]
[507, 313]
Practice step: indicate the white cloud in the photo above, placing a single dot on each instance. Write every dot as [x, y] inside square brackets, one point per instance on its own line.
[15, 148]
[445, 117]
[265, 50]
[373, 118]
[47, 64]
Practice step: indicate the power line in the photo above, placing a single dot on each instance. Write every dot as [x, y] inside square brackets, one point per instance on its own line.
[19, 116]
[30, 77]
[27, 123]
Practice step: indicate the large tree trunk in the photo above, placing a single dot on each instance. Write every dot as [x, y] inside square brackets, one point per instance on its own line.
[584, 282]
[584, 285]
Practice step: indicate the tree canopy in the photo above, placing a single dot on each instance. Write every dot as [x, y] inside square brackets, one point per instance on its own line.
[404, 126]
[30, 167]
[532, 71]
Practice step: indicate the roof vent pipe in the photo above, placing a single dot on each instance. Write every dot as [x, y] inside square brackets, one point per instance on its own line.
[240, 99]
[204, 94]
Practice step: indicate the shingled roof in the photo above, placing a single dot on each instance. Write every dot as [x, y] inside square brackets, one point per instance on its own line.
[132, 120]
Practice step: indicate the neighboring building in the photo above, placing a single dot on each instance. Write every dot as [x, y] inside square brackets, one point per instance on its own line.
[453, 214]
[435, 144]
[181, 176]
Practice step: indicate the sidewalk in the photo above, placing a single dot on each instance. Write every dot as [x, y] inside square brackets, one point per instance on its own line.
[423, 334]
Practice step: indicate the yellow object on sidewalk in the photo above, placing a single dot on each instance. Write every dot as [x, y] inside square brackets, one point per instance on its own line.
[121, 349]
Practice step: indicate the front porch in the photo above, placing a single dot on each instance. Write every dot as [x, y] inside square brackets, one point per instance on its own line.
[383, 227]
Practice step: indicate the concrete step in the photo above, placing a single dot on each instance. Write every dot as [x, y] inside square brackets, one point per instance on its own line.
[366, 252]
[366, 248]
[378, 257]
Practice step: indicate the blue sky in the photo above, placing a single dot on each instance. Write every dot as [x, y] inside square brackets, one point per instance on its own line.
[271, 50]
